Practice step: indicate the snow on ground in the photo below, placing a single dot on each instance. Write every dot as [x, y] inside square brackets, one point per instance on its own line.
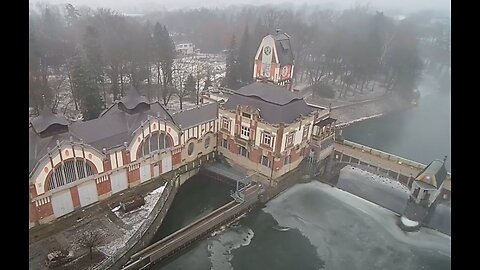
[378, 178]
[133, 220]
[377, 189]
[407, 222]
[345, 124]
[174, 105]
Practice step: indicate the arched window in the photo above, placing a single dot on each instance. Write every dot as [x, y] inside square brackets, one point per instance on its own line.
[207, 142]
[155, 142]
[68, 172]
[190, 148]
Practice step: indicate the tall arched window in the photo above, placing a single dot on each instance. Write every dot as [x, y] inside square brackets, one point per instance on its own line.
[155, 142]
[68, 172]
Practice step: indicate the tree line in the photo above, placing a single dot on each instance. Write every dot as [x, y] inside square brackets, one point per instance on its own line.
[96, 53]
[349, 51]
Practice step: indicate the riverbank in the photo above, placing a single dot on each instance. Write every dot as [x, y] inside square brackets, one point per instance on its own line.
[360, 111]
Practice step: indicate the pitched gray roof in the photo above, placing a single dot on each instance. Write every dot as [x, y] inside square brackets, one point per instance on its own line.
[325, 122]
[284, 48]
[437, 170]
[37, 146]
[196, 115]
[111, 129]
[275, 104]
[268, 92]
[46, 119]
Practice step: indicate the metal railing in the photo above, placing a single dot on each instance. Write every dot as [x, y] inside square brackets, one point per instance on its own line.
[383, 155]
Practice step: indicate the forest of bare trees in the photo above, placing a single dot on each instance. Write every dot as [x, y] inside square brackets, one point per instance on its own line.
[94, 54]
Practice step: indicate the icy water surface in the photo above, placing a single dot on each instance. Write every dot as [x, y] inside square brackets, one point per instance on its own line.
[331, 229]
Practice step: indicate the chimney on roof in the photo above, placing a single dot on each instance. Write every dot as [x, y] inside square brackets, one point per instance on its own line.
[277, 30]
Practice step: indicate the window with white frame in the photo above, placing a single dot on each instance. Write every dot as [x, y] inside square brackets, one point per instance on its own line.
[154, 142]
[226, 123]
[287, 160]
[243, 151]
[267, 139]
[290, 139]
[245, 133]
[225, 143]
[306, 129]
[265, 161]
[247, 115]
[68, 172]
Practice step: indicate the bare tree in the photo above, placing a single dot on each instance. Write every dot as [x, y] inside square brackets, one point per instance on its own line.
[272, 19]
[91, 239]
[179, 77]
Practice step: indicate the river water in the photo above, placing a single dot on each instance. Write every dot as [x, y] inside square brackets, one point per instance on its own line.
[330, 228]
[422, 133]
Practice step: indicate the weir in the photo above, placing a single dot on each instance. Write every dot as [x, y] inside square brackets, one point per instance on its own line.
[383, 163]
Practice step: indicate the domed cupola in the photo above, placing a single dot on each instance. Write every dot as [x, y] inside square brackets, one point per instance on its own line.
[49, 124]
[132, 102]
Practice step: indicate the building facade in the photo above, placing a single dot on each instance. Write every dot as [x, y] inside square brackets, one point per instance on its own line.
[262, 127]
[73, 165]
[265, 128]
[185, 48]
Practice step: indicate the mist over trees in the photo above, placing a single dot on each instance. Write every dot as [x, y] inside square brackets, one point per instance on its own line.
[96, 53]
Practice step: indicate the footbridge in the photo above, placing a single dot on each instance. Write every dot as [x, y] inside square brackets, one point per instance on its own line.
[401, 169]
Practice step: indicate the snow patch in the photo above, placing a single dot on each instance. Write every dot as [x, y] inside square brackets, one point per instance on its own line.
[408, 223]
[221, 246]
[376, 178]
[133, 220]
[342, 125]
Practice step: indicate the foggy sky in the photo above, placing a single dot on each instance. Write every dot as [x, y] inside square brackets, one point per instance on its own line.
[143, 6]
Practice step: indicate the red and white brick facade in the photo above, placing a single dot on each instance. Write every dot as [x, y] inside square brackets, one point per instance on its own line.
[280, 152]
[104, 165]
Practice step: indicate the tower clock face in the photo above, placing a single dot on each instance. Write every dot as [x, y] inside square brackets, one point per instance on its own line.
[267, 50]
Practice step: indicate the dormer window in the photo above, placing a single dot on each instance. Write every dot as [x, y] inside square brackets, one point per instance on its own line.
[247, 115]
